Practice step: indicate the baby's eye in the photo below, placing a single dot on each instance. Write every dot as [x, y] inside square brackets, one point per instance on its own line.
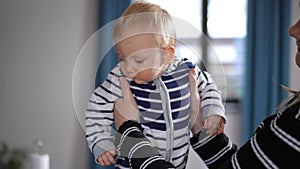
[139, 60]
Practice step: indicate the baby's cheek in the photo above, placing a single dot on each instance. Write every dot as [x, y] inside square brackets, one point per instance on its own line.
[123, 69]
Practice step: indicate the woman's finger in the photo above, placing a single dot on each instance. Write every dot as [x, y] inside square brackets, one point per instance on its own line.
[127, 95]
[195, 112]
[126, 107]
[125, 89]
[193, 80]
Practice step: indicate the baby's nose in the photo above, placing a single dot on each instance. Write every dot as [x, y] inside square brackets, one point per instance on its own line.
[129, 68]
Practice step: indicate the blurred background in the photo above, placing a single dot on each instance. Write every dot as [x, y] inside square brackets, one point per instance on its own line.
[48, 71]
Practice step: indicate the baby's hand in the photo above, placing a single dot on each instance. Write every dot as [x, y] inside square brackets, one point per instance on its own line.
[107, 158]
[214, 125]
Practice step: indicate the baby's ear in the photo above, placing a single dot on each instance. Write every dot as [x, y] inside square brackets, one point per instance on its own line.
[169, 55]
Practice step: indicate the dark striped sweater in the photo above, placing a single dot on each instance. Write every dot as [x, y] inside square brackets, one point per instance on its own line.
[274, 145]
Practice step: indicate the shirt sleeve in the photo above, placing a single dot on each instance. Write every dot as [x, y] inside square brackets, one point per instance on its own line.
[214, 151]
[99, 114]
[211, 99]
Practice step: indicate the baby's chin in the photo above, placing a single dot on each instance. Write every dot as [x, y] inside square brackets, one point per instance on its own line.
[139, 81]
[142, 81]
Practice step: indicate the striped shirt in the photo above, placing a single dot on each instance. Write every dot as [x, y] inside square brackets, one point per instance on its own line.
[274, 145]
[164, 107]
[139, 151]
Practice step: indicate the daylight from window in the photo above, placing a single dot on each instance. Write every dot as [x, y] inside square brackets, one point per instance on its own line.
[226, 23]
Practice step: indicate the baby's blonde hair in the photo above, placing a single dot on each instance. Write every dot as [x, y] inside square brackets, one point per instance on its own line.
[142, 17]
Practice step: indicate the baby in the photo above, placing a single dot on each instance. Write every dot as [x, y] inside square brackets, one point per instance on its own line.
[145, 41]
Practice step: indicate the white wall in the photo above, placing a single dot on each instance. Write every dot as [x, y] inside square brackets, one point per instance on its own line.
[294, 70]
[39, 43]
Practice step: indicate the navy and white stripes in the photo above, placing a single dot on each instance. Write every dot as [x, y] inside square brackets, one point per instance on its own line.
[164, 107]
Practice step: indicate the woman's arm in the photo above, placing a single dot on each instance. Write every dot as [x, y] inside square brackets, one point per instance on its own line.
[132, 144]
[130, 140]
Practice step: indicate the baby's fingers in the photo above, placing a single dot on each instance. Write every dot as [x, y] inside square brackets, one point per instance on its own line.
[107, 158]
[220, 128]
[212, 124]
[209, 126]
[111, 156]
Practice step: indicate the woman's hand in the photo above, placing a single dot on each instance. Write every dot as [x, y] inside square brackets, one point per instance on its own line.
[125, 108]
[195, 111]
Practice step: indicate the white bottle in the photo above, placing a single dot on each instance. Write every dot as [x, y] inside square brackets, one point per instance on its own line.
[38, 159]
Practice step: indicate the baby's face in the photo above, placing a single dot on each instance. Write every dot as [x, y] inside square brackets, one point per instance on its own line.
[141, 58]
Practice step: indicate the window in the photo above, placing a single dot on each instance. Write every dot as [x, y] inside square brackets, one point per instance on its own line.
[227, 31]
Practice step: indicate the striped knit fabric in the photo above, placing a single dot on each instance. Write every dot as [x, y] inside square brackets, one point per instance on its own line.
[274, 145]
[214, 150]
[134, 147]
[164, 106]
